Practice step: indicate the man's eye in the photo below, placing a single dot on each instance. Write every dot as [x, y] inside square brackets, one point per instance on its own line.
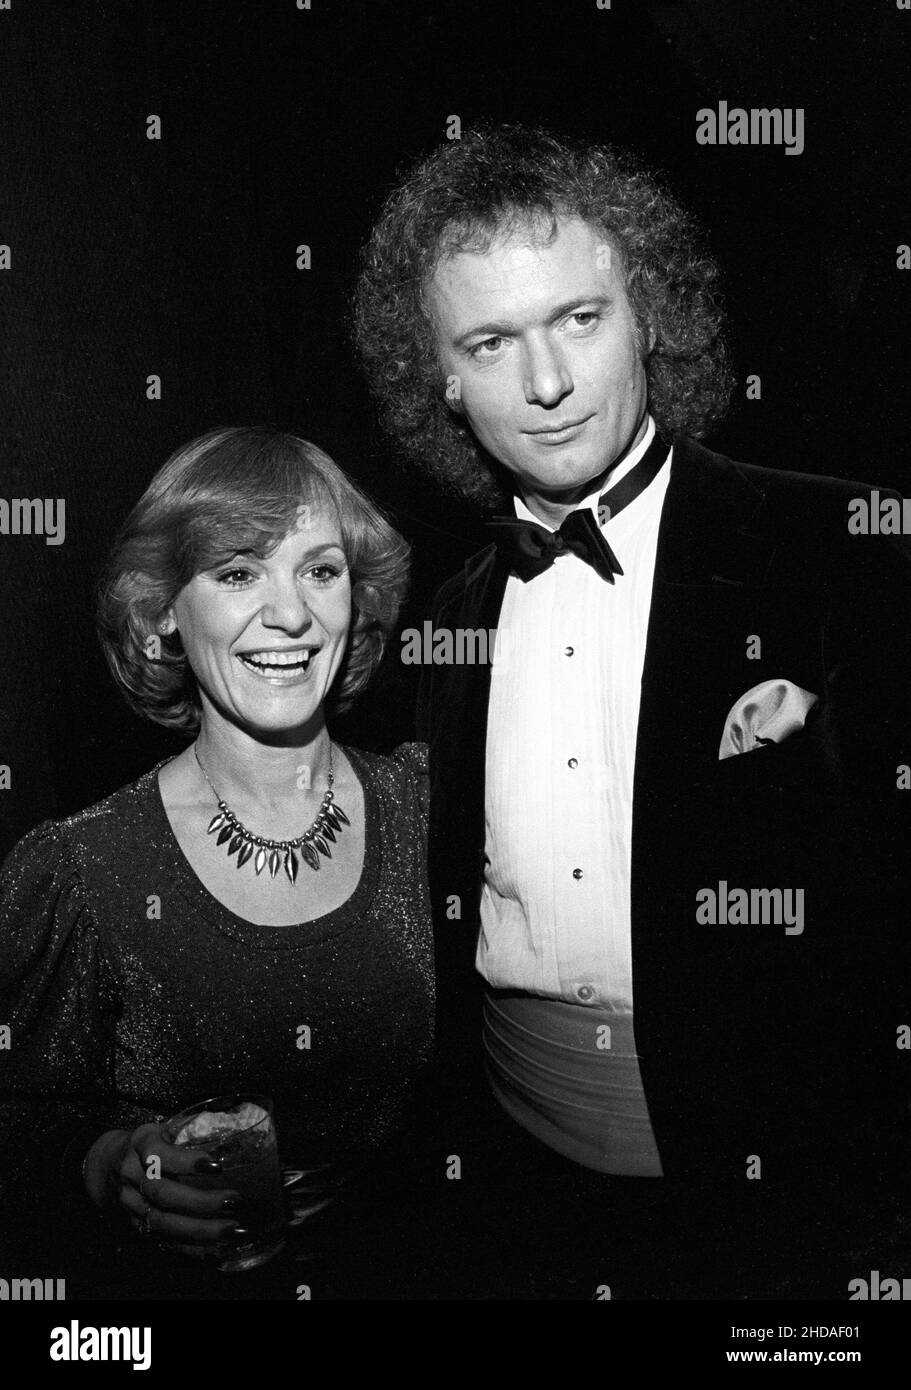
[486, 347]
[585, 318]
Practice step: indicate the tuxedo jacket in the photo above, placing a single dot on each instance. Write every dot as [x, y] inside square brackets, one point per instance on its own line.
[752, 1041]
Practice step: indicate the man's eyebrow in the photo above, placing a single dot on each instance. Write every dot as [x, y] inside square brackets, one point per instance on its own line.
[502, 329]
[484, 330]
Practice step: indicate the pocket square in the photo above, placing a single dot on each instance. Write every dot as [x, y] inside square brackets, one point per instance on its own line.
[769, 713]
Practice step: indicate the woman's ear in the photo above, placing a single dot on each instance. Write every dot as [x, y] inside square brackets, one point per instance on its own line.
[167, 624]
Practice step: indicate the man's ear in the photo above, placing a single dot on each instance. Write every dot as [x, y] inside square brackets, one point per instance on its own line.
[167, 623]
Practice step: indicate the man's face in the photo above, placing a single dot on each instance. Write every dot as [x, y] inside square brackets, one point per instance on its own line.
[543, 341]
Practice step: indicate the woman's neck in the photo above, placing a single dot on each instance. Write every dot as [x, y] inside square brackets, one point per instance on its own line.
[253, 776]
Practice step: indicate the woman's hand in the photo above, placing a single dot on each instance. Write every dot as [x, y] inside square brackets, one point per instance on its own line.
[140, 1173]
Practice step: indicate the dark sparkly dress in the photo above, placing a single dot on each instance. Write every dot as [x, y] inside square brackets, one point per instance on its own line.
[130, 992]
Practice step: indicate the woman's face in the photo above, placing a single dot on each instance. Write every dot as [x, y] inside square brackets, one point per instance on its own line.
[265, 637]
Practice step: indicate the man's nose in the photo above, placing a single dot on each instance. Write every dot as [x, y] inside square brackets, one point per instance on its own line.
[287, 608]
[547, 377]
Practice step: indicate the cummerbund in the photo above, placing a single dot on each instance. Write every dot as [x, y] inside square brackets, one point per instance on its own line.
[570, 1076]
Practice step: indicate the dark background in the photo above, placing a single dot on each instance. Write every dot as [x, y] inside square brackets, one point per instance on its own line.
[281, 127]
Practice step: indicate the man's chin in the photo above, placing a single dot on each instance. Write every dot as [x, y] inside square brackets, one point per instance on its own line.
[565, 491]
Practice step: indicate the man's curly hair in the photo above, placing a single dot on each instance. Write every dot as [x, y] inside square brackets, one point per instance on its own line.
[491, 181]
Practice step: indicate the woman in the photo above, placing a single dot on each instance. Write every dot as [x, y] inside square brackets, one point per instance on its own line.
[252, 914]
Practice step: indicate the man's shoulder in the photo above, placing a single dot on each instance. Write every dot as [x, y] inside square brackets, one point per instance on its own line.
[452, 589]
[784, 487]
[812, 511]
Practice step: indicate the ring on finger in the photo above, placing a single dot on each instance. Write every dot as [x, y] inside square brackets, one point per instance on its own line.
[145, 1223]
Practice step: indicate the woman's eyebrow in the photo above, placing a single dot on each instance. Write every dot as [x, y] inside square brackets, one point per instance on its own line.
[250, 552]
[322, 548]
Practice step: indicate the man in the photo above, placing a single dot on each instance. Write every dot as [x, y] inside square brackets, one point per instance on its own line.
[668, 828]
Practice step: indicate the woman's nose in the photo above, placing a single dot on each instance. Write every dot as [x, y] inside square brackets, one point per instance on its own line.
[287, 608]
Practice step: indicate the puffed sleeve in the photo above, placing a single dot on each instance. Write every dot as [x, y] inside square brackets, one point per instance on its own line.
[58, 1001]
[412, 758]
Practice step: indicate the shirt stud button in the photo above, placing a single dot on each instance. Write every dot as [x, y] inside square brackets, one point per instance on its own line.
[577, 873]
[585, 992]
[573, 762]
[567, 651]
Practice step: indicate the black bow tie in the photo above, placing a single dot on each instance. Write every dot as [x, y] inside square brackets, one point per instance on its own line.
[531, 549]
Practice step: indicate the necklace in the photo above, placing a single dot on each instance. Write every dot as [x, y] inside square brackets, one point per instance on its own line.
[240, 841]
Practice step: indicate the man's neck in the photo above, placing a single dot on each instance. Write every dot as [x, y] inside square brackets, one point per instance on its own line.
[552, 508]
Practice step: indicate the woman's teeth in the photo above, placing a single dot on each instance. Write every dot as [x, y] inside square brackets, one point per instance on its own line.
[277, 663]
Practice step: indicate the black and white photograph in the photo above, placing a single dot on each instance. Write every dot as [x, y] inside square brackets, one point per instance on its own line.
[455, 663]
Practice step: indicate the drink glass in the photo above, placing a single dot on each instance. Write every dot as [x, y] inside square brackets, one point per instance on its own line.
[238, 1130]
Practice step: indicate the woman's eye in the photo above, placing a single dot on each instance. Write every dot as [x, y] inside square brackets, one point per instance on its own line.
[324, 574]
[234, 579]
[239, 578]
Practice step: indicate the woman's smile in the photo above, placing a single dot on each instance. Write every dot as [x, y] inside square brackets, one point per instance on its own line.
[280, 666]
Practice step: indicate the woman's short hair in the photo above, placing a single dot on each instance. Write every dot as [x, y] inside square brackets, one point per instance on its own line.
[227, 491]
[491, 181]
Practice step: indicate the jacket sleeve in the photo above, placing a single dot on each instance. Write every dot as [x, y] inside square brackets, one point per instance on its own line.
[58, 1006]
[869, 639]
